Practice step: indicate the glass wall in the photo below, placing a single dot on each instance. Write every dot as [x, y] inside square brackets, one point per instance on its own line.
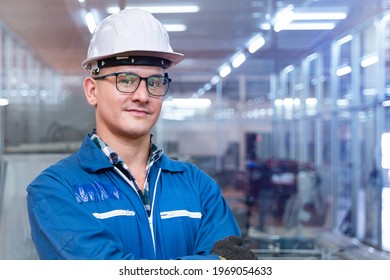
[37, 108]
[340, 92]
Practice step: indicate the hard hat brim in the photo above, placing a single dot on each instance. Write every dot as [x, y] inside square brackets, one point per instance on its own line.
[173, 57]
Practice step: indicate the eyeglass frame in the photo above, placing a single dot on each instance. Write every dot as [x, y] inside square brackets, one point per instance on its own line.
[116, 74]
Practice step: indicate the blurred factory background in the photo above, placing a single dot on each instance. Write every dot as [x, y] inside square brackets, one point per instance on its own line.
[285, 103]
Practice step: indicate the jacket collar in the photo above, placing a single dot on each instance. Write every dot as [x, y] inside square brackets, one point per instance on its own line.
[93, 159]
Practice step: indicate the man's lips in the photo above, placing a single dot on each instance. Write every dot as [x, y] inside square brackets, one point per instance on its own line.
[137, 112]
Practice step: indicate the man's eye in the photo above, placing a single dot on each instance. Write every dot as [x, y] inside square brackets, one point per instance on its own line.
[155, 82]
[126, 80]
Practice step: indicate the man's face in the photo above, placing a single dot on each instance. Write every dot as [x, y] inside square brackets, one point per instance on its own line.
[130, 115]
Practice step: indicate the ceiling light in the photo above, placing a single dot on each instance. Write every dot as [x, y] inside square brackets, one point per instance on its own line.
[370, 92]
[369, 60]
[310, 26]
[238, 59]
[207, 86]
[170, 9]
[265, 26]
[215, 80]
[320, 16]
[287, 19]
[200, 92]
[345, 39]
[4, 102]
[161, 9]
[90, 21]
[256, 43]
[343, 70]
[284, 18]
[311, 101]
[113, 10]
[225, 70]
[175, 27]
[278, 102]
[342, 102]
[288, 69]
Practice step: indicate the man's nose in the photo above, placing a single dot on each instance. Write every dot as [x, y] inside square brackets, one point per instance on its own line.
[142, 92]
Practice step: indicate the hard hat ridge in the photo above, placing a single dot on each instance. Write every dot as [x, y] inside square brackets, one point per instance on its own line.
[130, 37]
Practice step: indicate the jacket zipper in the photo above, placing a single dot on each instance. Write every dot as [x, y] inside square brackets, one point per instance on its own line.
[150, 219]
[152, 210]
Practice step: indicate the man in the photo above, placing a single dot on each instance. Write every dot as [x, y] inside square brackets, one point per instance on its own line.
[119, 196]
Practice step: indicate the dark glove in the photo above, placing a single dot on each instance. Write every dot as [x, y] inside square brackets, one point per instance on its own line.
[231, 248]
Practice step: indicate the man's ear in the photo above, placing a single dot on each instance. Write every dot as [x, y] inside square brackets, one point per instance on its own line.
[90, 90]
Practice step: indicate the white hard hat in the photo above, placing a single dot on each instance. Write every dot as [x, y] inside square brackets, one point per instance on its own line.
[130, 37]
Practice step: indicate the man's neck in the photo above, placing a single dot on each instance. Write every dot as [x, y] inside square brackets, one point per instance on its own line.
[133, 151]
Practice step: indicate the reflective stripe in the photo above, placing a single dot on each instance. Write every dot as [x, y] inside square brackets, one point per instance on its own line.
[180, 213]
[114, 213]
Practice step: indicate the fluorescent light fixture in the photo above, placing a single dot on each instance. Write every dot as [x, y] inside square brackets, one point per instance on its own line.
[288, 102]
[310, 26]
[282, 24]
[207, 86]
[343, 70]
[90, 21]
[312, 57]
[4, 101]
[345, 39]
[278, 102]
[215, 80]
[161, 9]
[369, 60]
[320, 16]
[225, 70]
[284, 18]
[201, 91]
[256, 43]
[311, 101]
[113, 9]
[238, 59]
[175, 27]
[288, 19]
[369, 92]
[342, 102]
[171, 9]
[386, 17]
[386, 103]
[288, 69]
[265, 26]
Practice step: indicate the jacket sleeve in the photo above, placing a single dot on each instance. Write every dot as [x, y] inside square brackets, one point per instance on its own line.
[218, 220]
[62, 229]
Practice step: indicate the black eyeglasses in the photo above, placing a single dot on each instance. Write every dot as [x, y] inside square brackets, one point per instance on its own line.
[128, 82]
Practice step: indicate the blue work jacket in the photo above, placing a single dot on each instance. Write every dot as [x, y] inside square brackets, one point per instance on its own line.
[83, 208]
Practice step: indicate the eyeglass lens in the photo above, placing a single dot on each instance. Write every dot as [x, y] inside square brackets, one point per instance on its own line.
[129, 82]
